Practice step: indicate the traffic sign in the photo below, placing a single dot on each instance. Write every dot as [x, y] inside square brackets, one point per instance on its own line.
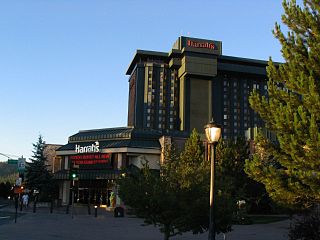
[21, 164]
[12, 161]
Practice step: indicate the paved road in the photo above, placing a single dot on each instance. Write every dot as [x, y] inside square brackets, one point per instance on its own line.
[58, 225]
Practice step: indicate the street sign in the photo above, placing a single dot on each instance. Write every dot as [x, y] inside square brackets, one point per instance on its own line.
[19, 182]
[12, 161]
[21, 164]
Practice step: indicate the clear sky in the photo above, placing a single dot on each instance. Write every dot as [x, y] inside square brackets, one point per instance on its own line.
[63, 62]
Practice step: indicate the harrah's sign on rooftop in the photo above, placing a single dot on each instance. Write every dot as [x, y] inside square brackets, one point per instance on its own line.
[88, 149]
[196, 44]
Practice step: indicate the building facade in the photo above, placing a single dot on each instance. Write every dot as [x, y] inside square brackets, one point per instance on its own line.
[170, 94]
[98, 157]
[186, 87]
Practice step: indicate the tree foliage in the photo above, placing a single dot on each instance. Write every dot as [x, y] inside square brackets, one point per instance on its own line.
[37, 175]
[5, 189]
[290, 167]
[177, 197]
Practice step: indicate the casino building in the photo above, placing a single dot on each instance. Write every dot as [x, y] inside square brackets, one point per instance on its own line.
[170, 93]
[184, 88]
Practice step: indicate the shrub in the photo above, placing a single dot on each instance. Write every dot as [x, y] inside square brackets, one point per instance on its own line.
[306, 227]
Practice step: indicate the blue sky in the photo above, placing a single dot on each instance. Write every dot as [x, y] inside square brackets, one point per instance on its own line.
[63, 62]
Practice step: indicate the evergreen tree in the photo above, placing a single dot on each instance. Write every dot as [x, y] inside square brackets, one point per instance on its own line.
[290, 167]
[193, 177]
[151, 197]
[231, 158]
[37, 175]
[177, 197]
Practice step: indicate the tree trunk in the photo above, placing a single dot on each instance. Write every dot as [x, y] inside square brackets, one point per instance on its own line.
[224, 236]
[166, 232]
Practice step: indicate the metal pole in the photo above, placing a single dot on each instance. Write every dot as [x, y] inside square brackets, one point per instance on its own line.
[34, 203]
[16, 207]
[89, 209]
[72, 199]
[20, 201]
[212, 231]
[51, 206]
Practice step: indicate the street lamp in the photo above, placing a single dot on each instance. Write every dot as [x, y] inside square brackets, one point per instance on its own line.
[213, 134]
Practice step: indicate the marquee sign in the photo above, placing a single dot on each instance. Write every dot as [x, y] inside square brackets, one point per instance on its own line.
[92, 159]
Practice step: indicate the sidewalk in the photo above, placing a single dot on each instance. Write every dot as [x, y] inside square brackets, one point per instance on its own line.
[45, 226]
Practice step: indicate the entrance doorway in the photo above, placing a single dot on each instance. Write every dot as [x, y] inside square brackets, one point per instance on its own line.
[95, 192]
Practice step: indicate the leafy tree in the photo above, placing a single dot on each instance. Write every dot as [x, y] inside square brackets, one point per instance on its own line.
[290, 167]
[5, 189]
[193, 178]
[231, 158]
[177, 197]
[152, 198]
[37, 175]
[11, 178]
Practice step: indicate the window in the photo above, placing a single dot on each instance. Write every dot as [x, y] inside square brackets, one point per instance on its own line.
[225, 116]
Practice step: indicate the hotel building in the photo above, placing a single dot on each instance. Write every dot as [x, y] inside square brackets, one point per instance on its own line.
[170, 94]
[184, 88]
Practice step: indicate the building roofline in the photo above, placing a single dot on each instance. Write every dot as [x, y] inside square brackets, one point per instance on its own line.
[139, 53]
[246, 60]
[103, 129]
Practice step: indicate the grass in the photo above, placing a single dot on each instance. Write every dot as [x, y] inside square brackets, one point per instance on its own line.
[264, 219]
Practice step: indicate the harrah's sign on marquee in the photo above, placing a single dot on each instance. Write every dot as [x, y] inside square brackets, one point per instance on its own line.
[196, 44]
[88, 149]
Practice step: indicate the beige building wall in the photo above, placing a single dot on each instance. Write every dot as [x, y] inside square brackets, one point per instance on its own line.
[50, 154]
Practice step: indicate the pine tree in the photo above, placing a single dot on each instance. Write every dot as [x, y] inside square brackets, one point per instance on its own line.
[290, 167]
[177, 197]
[37, 175]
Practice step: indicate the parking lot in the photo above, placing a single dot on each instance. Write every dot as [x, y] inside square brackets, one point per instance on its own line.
[43, 225]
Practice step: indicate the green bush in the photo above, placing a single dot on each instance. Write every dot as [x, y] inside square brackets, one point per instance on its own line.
[306, 227]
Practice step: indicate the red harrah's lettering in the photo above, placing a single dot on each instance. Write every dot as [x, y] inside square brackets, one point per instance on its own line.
[195, 44]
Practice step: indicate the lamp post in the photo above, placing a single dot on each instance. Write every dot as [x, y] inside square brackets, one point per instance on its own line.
[213, 133]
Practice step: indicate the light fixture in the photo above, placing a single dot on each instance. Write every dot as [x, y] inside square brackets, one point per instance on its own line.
[213, 134]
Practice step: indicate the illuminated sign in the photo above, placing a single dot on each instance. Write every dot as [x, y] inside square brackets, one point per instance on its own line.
[91, 159]
[197, 44]
[88, 149]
